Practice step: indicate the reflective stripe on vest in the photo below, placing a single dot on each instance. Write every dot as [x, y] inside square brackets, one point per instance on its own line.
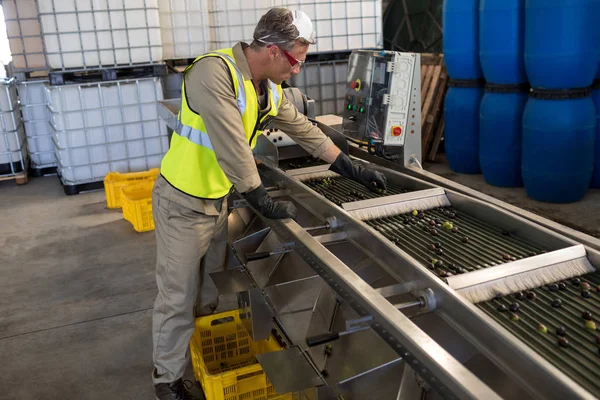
[275, 95]
[241, 99]
[193, 135]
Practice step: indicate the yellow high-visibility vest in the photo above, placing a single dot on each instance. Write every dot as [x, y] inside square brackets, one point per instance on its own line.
[191, 165]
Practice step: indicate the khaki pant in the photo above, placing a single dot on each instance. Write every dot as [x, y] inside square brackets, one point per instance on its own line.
[190, 245]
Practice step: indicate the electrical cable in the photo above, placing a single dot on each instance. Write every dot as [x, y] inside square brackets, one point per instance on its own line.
[356, 141]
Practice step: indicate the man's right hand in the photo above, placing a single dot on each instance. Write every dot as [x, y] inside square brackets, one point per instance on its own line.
[261, 201]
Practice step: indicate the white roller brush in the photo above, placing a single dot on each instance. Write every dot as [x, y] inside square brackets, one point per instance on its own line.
[522, 275]
[398, 204]
[316, 175]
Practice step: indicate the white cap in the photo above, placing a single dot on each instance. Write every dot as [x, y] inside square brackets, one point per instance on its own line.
[304, 25]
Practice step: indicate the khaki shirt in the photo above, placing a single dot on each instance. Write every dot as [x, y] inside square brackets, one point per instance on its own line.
[210, 93]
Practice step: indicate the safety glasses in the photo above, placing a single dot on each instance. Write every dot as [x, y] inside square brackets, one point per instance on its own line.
[294, 62]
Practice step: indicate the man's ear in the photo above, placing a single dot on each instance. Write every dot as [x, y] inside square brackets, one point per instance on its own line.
[273, 51]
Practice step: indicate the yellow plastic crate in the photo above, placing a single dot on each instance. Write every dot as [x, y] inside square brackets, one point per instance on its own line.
[224, 360]
[115, 181]
[137, 206]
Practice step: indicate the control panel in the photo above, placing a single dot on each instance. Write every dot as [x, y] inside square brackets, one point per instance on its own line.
[382, 99]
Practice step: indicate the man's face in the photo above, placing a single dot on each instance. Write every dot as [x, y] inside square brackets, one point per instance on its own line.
[281, 68]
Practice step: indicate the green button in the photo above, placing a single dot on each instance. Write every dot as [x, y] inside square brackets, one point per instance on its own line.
[362, 110]
[349, 106]
[353, 108]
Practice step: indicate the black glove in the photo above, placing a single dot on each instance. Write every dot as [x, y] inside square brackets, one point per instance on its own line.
[344, 166]
[261, 201]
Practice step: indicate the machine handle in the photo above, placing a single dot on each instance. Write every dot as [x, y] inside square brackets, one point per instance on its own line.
[322, 339]
[258, 256]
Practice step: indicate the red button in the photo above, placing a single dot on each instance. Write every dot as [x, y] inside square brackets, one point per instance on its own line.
[354, 85]
[396, 131]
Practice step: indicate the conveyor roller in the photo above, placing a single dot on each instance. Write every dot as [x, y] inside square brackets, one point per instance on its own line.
[451, 242]
[341, 190]
[300, 162]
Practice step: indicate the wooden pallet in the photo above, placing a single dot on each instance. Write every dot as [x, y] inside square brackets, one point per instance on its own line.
[434, 84]
[439, 133]
[20, 178]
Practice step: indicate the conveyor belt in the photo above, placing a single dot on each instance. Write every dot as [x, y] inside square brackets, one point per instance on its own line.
[300, 162]
[463, 244]
[581, 358]
[343, 190]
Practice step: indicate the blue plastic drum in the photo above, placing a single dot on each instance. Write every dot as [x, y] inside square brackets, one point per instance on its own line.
[502, 41]
[461, 39]
[560, 43]
[558, 145]
[500, 134]
[461, 121]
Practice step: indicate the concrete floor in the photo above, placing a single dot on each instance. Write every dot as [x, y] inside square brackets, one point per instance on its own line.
[583, 216]
[77, 289]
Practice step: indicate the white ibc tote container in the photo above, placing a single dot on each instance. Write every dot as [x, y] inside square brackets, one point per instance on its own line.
[235, 20]
[94, 33]
[185, 28]
[24, 35]
[339, 24]
[104, 127]
[36, 118]
[13, 147]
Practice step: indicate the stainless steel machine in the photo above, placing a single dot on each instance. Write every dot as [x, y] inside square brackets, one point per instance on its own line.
[418, 292]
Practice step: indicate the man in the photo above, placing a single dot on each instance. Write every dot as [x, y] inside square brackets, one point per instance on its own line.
[228, 97]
